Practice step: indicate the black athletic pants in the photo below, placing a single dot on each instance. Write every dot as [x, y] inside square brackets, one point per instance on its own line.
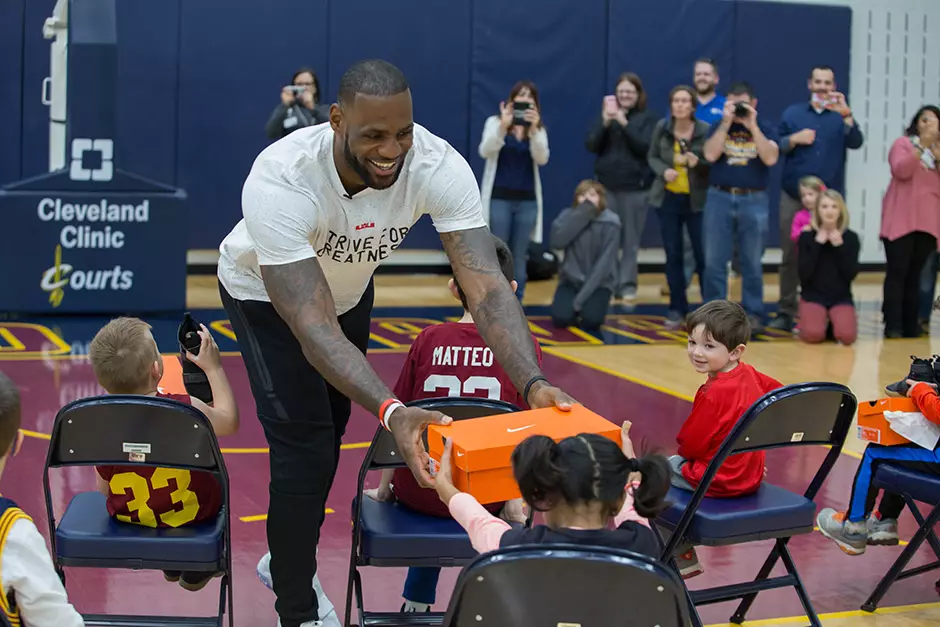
[304, 419]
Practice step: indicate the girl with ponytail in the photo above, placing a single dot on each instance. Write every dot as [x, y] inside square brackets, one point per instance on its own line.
[579, 484]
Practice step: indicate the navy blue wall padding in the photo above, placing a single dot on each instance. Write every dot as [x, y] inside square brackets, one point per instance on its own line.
[11, 49]
[198, 80]
[148, 64]
[433, 51]
[767, 58]
[562, 48]
[660, 42]
[234, 59]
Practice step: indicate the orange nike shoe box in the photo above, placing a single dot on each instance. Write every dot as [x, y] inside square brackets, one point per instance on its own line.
[872, 424]
[172, 381]
[482, 447]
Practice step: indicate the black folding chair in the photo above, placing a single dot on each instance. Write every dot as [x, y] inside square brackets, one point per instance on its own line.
[566, 585]
[913, 486]
[794, 415]
[131, 430]
[391, 535]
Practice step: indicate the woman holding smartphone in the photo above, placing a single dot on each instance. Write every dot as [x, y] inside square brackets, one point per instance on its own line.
[677, 159]
[515, 144]
[621, 141]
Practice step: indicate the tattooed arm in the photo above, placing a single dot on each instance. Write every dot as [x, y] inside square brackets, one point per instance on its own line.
[497, 312]
[301, 295]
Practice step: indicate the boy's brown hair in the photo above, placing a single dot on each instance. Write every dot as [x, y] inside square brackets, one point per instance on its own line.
[726, 322]
[122, 354]
[9, 413]
[588, 184]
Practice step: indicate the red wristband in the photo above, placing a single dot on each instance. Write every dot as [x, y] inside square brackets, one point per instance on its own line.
[383, 409]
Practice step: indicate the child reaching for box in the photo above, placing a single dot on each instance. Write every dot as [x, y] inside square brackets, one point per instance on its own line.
[862, 525]
[449, 359]
[126, 360]
[718, 335]
[579, 484]
[32, 593]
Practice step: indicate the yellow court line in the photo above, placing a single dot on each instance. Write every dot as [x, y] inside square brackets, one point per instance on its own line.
[899, 609]
[260, 517]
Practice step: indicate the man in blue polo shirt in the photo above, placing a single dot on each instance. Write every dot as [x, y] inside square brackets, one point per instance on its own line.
[710, 103]
[814, 137]
[742, 150]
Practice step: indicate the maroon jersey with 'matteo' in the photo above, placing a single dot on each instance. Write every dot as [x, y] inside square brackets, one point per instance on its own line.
[161, 497]
[449, 359]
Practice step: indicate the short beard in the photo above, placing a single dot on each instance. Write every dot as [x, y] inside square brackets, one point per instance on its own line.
[362, 169]
[700, 92]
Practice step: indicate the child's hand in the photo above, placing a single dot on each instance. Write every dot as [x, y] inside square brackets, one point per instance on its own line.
[911, 383]
[208, 357]
[383, 494]
[445, 474]
[627, 446]
[514, 512]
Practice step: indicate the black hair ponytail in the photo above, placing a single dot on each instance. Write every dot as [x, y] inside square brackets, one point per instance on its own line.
[536, 472]
[650, 498]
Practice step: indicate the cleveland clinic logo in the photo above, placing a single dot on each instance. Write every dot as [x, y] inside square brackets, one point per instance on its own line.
[62, 275]
[92, 160]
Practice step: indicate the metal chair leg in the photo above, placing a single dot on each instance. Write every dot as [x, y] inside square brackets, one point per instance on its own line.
[898, 567]
[800, 589]
[746, 601]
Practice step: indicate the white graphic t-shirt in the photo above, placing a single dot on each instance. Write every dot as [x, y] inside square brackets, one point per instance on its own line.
[295, 207]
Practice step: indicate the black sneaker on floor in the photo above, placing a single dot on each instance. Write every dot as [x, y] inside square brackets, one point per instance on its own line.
[782, 322]
[921, 370]
[194, 379]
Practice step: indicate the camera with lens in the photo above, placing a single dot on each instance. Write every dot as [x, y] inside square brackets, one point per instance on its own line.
[297, 90]
[741, 110]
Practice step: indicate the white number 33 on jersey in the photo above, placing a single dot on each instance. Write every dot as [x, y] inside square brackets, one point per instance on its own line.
[455, 387]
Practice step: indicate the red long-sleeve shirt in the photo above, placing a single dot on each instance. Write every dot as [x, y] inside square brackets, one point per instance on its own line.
[718, 405]
[927, 401]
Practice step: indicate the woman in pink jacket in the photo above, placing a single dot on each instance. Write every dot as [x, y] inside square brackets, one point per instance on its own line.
[910, 219]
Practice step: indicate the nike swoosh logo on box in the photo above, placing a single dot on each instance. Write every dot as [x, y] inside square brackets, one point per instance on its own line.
[519, 429]
[459, 454]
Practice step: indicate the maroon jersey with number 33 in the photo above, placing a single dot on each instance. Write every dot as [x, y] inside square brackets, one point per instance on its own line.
[161, 497]
[449, 359]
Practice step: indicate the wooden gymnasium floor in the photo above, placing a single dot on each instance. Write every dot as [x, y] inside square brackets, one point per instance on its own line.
[636, 370]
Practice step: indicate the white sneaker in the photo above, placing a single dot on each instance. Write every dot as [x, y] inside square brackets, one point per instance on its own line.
[327, 613]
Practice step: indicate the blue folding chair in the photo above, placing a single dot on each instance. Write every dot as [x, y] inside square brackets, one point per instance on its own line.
[794, 415]
[566, 584]
[913, 486]
[391, 535]
[130, 430]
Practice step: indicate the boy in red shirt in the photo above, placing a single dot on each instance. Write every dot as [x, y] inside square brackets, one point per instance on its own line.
[126, 360]
[862, 525]
[449, 359]
[718, 335]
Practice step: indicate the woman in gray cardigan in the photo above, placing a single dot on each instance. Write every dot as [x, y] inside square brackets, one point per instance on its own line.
[678, 193]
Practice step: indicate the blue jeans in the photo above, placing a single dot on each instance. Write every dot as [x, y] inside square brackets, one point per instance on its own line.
[513, 221]
[744, 217]
[928, 286]
[675, 214]
[421, 584]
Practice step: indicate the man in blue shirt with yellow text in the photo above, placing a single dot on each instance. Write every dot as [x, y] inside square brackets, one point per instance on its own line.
[814, 136]
[741, 150]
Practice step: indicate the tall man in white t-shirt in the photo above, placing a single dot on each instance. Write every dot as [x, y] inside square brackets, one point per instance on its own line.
[322, 208]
